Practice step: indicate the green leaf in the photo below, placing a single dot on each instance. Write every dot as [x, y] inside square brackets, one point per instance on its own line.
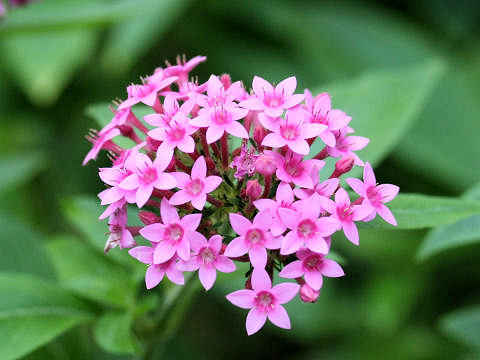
[21, 248]
[33, 312]
[113, 333]
[90, 274]
[130, 40]
[464, 326]
[463, 232]
[383, 104]
[443, 144]
[42, 63]
[416, 211]
[20, 167]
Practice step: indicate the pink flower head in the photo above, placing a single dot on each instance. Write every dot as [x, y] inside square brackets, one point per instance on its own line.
[307, 227]
[254, 238]
[312, 266]
[119, 234]
[148, 175]
[319, 111]
[173, 236]
[375, 195]
[195, 187]
[183, 67]
[147, 93]
[273, 100]
[325, 188]
[218, 94]
[346, 145]
[293, 169]
[346, 213]
[206, 258]
[290, 131]
[221, 119]
[245, 162]
[264, 301]
[284, 199]
[156, 272]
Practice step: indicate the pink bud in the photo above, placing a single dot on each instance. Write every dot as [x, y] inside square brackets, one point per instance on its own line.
[226, 80]
[254, 190]
[149, 218]
[259, 133]
[307, 294]
[342, 166]
[265, 165]
[152, 144]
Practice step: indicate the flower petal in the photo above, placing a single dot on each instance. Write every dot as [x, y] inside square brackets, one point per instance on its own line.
[331, 268]
[239, 223]
[292, 270]
[199, 169]
[143, 254]
[207, 276]
[153, 276]
[244, 299]
[261, 280]
[255, 320]
[279, 317]
[314, 279]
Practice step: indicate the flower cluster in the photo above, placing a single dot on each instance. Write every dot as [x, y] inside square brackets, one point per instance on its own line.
[224, 175]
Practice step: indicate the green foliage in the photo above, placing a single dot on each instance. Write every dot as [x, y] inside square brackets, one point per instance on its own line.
[464, 326]
[19, 168]
[33, 312]
[112, 331]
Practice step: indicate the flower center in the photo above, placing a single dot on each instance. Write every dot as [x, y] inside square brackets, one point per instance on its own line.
[374, 196]
[221, 116]
[174, 232]
[307, 228]
[254, 236]
[148, 176]
[207, 255]
[289, 132]
[293, 168]
[312, 262]
[274, 101]
[264, 300]
[194, 187]
[345, 213]
[176, 133]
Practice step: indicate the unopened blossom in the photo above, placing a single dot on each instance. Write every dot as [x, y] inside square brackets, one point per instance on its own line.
[308, 295]
[312, 266]
[206, 258]
[119, 234]
[375, 195]
[156, 272]
[194, 188]
[264, 301]
[306, 226]
[173, 235]
[255, 238]
[273, 100]
[346, 213]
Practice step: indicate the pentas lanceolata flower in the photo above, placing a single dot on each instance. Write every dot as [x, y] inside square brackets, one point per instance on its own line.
[225, 175]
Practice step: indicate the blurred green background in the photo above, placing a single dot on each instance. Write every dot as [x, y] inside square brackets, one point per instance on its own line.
[407, 71]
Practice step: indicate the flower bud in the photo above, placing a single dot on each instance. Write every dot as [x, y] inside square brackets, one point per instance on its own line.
[265, 165]
[307, 294]
[259, 134]
[152, 144]
[343, 166]
[226, 80]
[149, 218]
[253, 190]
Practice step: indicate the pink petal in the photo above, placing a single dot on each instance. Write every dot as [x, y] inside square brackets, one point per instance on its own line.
[369, 176]
[292, 270]
[328, 205]
[279, 317]
[285, 292]
[351, 232]
[190, 265]
[331, 269]
[261, 86]
[215, 243]
[328, 138]
[175, 275]
[293, 101]
[386, 215]
[202, 120]
[168, 213]
[273, 242]
[224, 264]
[239, 223]
[357, 186]
[314, 279]
[337, 119]
[183, 249]
[130, 182]
[244, 299]
[312, 130]
[211, 183]
[143, 254]
[143, 194]
[182, 179]
[274, 112]
[197, 240]
[153, 276]
[263, 220]
[252, 104]
[310, 208]
[153, 232]
[287, 87]
[187, 145]
[358, 142]
[317, 244]
[255, 320]
[327, 226]
[198, 202]
[258, 256]
[199, 169]
[207, 276]
[165, 181]
[291, 243]
[237, 247]
[299, 146]
[163, 252]
[163, 159]
[214, 133]
[260, 280]
[388, 192]
[284, 193]
[289, 217]
[322, 102]
[274, 140]
[360, 212]
[236, 129]
[341, 197]
[179, 198]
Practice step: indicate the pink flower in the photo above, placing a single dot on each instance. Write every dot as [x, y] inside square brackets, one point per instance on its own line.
[254, 238]
[183, 67]
[148, 92]
[265, 164]
[290, 131]
[156, 272]
[148, 175]
[346, 145]
[195, 187]
[307, 227]
[284, 199]
[245, 162]
[218, 94]
[325, 188]
[273, 101]
[174, 235]
[119, 234]
[177, 133]
[264, 301]
[319, 111]
[346, 213]
[221, 119]
[373, 195]
[312, 266]
[206, 258]
[292, 168]
[171, 111]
